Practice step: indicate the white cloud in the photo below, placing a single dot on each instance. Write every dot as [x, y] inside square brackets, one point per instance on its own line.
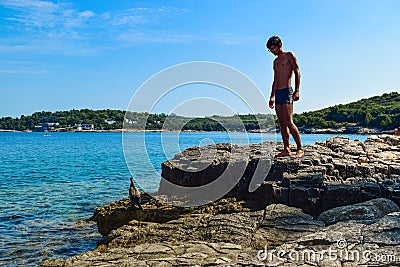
[49, 27]
[232, 39]
[22, 71]
[129, 17]
[86, 14]
[24, 67]
[14, 48]
[134, 36]
[134, 17]
[29, 4]
[44, 18]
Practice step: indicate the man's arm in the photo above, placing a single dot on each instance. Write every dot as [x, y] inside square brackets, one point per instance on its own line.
[297, 76]
[274, 86]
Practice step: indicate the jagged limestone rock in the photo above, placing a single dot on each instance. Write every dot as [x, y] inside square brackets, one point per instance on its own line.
[242, 227]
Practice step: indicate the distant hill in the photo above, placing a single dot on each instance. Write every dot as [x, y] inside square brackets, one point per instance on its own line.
[381, 112]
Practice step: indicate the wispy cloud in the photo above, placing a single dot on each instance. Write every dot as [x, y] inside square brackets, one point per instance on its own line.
[24, 67]
[13, 48]
[232, 39]
[29, 3]
[58, 27]
[134, 17]
[135, 36]
[22, 71]
[45, 18]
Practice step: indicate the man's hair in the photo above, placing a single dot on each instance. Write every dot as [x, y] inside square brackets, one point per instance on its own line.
[274, 40]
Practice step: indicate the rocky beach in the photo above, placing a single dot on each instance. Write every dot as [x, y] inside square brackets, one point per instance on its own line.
[336, 206]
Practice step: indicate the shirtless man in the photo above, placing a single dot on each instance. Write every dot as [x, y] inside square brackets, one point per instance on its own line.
[282, 95]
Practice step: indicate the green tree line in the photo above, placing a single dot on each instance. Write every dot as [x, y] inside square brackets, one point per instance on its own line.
[102, 119]
[381, 112]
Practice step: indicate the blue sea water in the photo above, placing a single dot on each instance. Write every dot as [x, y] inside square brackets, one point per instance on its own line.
[48, 185]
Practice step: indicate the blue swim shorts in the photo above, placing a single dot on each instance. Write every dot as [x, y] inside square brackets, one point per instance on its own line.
[284, 96]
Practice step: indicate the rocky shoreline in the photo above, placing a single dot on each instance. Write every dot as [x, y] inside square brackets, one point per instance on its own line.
[336, 206]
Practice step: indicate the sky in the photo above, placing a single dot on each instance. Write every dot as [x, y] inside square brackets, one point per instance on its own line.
[96, 54]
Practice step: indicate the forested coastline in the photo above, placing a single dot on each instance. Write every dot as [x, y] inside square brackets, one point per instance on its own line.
[378, 112]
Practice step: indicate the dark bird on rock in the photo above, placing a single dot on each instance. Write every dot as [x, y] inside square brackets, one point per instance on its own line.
[134, 195]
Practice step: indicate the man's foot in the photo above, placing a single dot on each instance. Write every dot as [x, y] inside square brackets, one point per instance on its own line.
[299, 153]
[283, 154]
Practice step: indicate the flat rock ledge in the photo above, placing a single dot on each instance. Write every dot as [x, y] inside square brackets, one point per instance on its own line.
[337, 206]
[334, 173]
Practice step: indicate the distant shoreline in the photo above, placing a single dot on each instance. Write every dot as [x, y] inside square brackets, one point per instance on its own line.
[365, 131]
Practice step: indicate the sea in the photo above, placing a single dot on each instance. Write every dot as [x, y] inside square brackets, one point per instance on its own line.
[50, 185]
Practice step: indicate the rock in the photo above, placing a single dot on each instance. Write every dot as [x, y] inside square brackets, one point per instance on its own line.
[119, 213]
[370, 210]
[341, 196]
[246, 238]
[313, 183]
[346, 171]
[236, 228]
[282, 224]
[394, 169]
[342, 244]
[196, 253]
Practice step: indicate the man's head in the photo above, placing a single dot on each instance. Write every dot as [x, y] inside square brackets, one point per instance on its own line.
[274, 44]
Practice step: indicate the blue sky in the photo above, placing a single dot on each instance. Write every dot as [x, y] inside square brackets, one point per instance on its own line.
[60, 55]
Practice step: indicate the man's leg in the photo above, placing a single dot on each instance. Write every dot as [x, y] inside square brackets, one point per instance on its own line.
[288, 114]
[284, 130]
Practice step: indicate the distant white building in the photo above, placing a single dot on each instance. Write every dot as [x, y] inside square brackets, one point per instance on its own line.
[129, 121]
[84, 127]
[46, 126]
[110, 122]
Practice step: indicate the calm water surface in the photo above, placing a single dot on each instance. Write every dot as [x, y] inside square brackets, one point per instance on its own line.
[48, 185]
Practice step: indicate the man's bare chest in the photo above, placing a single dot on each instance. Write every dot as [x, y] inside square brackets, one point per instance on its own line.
[282, 63]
